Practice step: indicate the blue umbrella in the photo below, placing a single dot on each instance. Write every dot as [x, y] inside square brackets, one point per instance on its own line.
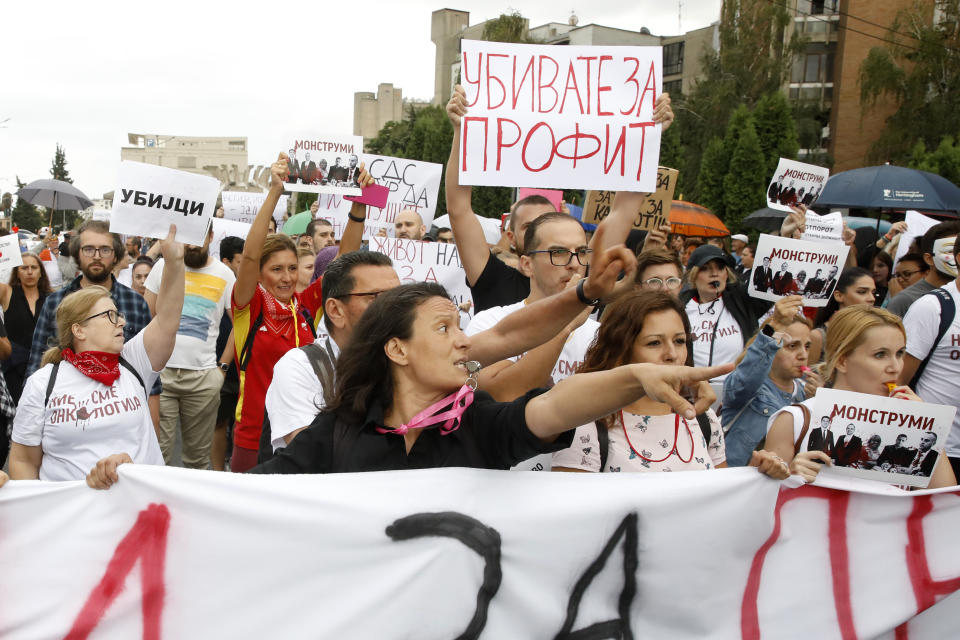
[890, 187]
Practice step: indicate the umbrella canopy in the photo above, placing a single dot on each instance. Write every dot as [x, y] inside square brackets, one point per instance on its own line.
[297, 224]
[890, 187]
[765, 219]
[55, 195]
[689, 219]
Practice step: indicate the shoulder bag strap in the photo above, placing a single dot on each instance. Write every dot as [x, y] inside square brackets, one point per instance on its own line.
[603, 443]
[51, 383]
[947, 312]
[806, 427]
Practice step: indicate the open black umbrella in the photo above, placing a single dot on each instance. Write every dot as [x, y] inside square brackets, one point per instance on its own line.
[890, 187]
[765, 219]
[54, 195]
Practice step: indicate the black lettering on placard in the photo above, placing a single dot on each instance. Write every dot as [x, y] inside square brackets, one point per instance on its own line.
[139, 198]
[126, 194]
[619, 627]
[484, 540]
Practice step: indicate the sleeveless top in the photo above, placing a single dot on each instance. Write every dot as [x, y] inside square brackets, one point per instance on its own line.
[19, 319]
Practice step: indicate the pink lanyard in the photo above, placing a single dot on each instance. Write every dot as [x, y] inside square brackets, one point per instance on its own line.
[460, 400]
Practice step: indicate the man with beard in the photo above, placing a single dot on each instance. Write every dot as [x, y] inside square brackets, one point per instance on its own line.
[410, 225]
[97, 251]
[193, 376]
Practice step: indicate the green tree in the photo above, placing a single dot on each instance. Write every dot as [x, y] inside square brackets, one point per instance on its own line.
[25, 215]
[920, 71]
[508, 27]
[58, 171]
[713, 170]
[746, 181]
[943, 161]
[776, 130]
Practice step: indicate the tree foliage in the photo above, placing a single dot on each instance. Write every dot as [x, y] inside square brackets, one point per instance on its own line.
[25, 215]
[776, 129]
[713, 169]
[943, 161]
[59, 171]
[920, 71]
[745, 184]
[508, 27]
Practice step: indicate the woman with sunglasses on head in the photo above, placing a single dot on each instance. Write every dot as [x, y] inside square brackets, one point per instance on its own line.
[88, 401]
[865, 349]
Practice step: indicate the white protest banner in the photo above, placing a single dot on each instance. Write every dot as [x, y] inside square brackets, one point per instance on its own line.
[917, 225]
[795, 183]
[878, 438]
[825, 228]
[573, 117]
[788, 267]
[10, 252]
[417, 261]
[322, 163]
[223, 228]
[149, 198]
[413, 185]
[475, 554]
[243, 206]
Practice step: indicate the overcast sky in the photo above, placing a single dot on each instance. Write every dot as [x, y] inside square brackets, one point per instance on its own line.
[85, 74]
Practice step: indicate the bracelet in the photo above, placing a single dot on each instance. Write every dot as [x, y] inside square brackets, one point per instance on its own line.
[581, 296]
[887, 237]
[356, 218]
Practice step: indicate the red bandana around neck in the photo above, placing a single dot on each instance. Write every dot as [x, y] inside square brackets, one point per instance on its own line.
[98, 365]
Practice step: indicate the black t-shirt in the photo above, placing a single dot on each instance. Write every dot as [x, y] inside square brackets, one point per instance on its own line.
[492, 435]
[499, 285]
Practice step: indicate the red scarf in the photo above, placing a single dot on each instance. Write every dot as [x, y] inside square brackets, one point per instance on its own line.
[99, 365]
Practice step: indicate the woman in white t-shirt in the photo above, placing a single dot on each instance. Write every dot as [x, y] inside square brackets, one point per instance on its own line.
[864, 353]
[85, 410]
[647, 435]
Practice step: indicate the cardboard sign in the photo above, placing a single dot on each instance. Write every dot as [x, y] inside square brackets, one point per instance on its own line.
[438, 262]
[243, 206]
[413, 185]
[223, 228]
[555, 196]
[655, 210]
[323, 163]
[826, 228]
[624, 547]
[150, 198]
[10, 252]
[573, 117]
[787, 267]
[795, 183]
[878, 438]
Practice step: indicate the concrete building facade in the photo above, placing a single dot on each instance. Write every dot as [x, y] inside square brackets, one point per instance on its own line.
[224, 158]
[372, 111]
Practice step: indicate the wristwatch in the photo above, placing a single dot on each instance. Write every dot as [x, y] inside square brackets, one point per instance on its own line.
[224, 366]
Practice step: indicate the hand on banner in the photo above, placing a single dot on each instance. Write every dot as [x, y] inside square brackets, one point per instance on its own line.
[662, 112]
[807, 464]
[770, 464]
[795, 223]
[457, 107]
[104, 474]
[662, 383]
[785, 311]
[657, 238]
[279, 171]
[903, 392]
[606, 267]
[170, 249]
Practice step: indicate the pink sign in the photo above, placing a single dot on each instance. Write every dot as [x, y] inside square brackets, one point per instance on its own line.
[553, 195]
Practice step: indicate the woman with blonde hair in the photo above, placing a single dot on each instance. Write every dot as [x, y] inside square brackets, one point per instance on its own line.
[864, 351]
[86, 408]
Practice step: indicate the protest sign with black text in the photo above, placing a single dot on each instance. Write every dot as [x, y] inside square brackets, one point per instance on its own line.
[150, 198]
[654, 212]
[795, 183]
[572, 117]
[825, 228]
[789, 267]
[243, 206]
[321, 163]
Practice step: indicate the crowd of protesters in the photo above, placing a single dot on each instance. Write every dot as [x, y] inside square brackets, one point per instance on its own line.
[307, 355]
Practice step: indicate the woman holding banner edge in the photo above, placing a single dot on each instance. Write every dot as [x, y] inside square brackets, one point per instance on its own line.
[864, 352]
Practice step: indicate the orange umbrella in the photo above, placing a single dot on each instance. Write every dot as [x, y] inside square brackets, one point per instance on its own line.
[689, 219]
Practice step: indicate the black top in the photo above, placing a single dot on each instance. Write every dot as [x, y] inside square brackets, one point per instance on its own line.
[498, 285]
[492, 435]
[21, 320]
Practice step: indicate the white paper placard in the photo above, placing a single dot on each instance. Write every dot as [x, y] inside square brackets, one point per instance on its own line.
[438, 262]
[795, 183]
[10, 252]
[826, 228]
[321, 163]
[786, 267]
[243, 206]
[223, 228]
[413, 185]
[917, 225]
[572, 117]
[906, 453]
[149, 198]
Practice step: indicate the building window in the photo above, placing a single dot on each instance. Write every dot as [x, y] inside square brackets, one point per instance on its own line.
[816, 7]
[187, 162]
[673, 87]
[673, 59]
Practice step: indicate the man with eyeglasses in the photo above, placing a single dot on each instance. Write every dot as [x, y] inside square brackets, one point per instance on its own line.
[659, 270]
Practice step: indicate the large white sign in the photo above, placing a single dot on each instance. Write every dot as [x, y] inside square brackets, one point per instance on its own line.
[243, 206]
[885, 439]
[149, 198]
[223, 228]
[413, 185]
[574, 117]
[795, 183]
[10, 252]
[322, 163]
[446, 553]
[438, 262]
[917, 225]
[786, 267]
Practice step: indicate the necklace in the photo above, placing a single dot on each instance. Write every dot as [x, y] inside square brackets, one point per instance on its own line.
[676, 435]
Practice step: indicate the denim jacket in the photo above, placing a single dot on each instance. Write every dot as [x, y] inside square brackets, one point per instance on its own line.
[750, 397]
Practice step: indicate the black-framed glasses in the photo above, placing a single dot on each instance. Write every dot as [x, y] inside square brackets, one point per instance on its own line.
[363, 294]
[904, 274]
[113, 316]
[89, 251]
[562, 257]
[660, 283]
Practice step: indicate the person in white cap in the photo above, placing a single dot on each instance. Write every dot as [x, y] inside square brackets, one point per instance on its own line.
[737, 243]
